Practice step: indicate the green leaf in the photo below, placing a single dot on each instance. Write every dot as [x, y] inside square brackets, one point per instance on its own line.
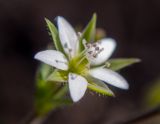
[99, 87]
[49, 97]
[55, 36]
[89, 32]
[117, 64]
[43, 97]
[57, 76]
[43, 71]
[61, 92]
[101, 90]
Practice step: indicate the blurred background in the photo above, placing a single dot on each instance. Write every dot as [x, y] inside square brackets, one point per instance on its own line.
[135, 24]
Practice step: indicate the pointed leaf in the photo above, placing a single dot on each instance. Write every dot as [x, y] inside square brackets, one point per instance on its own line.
[43, 71]
[61, 92]
[117, 64]
[54, 34]
[89, 32]
[99, 87]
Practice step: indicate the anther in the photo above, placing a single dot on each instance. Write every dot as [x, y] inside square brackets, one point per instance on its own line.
[97, 48]
[100, 50]
[95, 55]
[90, 52]
[88, 45]
[94, 45]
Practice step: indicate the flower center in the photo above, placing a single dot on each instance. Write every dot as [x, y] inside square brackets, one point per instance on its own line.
[93, 49]
[79, 64]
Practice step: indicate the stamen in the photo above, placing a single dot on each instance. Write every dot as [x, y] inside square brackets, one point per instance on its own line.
[84, 43]
[80, 61]
[83, 53]
[83, 72]
[90, 52]
[94, 45]
[100, 50]
[88, 45]
[95, 55]
[97, 48]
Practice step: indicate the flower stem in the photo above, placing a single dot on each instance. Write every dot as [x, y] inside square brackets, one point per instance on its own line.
[31, 118]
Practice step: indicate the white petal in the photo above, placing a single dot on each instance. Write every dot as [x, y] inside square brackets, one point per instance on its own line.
[77, 86]
[110, 77]
[108, 46]
[68, 36]
[53, 58]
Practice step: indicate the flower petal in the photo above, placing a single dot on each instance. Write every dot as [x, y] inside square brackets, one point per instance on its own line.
[110, 77]
[68, 36]
[53, 58]
[105, 47]
[77, 86]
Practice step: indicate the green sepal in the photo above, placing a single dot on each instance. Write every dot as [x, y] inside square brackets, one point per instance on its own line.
[43, 71]
[99, 87]
[57, 76]
[117, 64]
[79, 65]
[89, 32]
[55, 35]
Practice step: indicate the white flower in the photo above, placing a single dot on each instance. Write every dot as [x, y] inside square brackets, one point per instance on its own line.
[81, 65]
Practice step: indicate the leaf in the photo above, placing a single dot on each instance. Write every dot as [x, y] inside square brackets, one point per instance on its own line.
[99, 87]
[89, 32]
[117, 64]
[43, 71]
[57, 76]
[101, 90]
[43, 96]
[49, 97]
[61, 92]
[55, 36]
